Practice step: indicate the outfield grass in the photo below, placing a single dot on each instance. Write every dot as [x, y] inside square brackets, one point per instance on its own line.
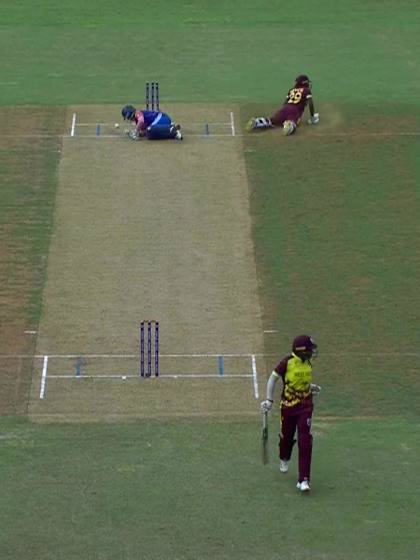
[97, 53]
[189, 490]
[335, 229]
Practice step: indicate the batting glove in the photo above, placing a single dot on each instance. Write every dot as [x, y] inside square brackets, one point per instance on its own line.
[266, 406]
[133, 135]
[315, 389]
[314, 119]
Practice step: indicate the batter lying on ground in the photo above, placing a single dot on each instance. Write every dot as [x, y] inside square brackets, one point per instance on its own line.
[289, 115]
[153, 125]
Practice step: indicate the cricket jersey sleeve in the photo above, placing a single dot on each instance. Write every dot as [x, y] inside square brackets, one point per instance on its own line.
[139, 120]
[281, 367]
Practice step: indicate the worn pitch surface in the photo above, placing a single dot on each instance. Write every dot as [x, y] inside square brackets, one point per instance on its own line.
[144, 230]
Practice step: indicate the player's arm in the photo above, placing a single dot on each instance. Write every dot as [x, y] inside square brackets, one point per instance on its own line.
[271, 384]
[278, 372]
[315, 389]
[314, 118]
[140, 124]
[311, 106]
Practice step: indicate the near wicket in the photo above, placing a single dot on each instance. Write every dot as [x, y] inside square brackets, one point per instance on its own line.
[150, 346]
[152, 96]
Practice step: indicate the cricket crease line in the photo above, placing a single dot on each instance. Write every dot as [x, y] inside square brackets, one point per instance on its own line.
[119, 136]
[256, 354]
[73, 125]
[111, 356]
[43, 378]
[255, 375]
[184, 123]
[312, 135]
[232, 123]
[228, 376]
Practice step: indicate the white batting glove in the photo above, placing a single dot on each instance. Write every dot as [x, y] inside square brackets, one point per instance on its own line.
[315, 389]
[133, 135]
[266, 406]
[314, 119]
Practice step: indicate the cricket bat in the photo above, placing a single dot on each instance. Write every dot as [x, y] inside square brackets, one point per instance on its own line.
[265, 438]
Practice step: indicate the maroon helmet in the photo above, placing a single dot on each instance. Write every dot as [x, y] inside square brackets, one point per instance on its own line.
[305, 347]
[303, 80]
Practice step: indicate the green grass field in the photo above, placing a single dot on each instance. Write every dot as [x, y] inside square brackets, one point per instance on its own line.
[178, 490]
[335, 226]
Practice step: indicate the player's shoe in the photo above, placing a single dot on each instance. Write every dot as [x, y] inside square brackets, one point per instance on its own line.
[303, 486]
[284, 466]
[251, 124]
[288, 128]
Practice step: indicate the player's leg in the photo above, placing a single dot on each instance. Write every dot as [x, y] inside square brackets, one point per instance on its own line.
[288, 422]
[289, 127]
[286, 118]
[258, 122]
[164, 132]
[304, 425]
[162, 128]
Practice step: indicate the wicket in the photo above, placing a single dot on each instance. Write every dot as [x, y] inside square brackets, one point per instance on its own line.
[150, 347]
[152, 96]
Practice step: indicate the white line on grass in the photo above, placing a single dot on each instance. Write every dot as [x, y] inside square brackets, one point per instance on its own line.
[163, 376]
[43, 378]
[255, 375]
[189, 134]
[232, 123]
[199, 135]
[73, 125]
[189, 123]
[133, 355]
[262, 355]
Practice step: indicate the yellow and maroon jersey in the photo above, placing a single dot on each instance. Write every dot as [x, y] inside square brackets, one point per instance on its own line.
[297, 378]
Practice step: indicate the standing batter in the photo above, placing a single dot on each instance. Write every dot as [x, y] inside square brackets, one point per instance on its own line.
[296, 406]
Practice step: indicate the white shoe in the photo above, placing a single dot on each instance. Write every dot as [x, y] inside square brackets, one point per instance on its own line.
[284, 466]
[303, 486]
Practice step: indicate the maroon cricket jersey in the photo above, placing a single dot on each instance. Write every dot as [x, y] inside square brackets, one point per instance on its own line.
[293, 107]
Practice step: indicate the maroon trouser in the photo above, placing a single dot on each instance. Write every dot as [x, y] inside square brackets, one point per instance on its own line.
[297, 417]
[288, 112]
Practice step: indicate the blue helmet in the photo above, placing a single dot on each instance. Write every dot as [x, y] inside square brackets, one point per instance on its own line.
[128, 112]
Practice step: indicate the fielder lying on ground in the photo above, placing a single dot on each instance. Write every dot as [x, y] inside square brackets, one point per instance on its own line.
[289, 115]
[153, 125]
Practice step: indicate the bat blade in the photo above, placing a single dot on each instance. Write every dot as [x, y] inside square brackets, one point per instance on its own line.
[264, 440]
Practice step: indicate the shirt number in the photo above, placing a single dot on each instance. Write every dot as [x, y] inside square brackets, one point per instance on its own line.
[295, 96]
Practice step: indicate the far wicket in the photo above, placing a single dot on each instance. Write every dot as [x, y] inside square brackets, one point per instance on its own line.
[150, 346]
[152, 96]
